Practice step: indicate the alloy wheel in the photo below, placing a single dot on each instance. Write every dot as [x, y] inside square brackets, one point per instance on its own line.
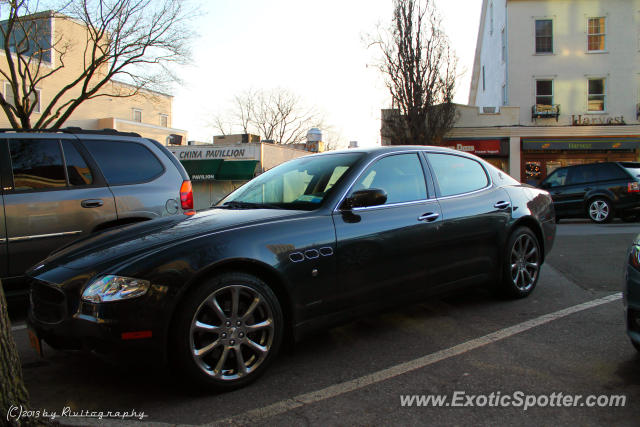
[599, 210]
[525, 262]
[232, 332]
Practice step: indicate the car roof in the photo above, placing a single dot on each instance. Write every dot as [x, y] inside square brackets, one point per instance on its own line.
[394, 148]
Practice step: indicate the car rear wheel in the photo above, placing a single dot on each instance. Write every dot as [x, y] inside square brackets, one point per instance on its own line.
[522, 264]
[600, 210]
[227, 331]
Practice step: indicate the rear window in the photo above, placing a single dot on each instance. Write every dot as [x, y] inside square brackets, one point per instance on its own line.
[124, 162]
[633, 168]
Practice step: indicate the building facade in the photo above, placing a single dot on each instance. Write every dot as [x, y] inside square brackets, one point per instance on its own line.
[571, 68]
[148, 113]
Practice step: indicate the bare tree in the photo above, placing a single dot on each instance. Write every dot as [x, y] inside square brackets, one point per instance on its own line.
[132, 40]
[277, 114]
[420, 72]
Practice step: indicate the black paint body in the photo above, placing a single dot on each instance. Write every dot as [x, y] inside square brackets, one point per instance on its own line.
[325, 266]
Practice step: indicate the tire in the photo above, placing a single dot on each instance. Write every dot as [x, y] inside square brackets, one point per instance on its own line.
[636, 345]
[521, 266]
[600, 210]
[226, 332]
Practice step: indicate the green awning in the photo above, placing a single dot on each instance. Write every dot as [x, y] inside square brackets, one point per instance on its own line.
[237, 170]
[202, 170]
[220, 170]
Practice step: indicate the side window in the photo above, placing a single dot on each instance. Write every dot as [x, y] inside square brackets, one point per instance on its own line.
[400, 176]
[609, 171]
[557, 178]
[581, 174]
[456, 174]
[123, 162]
[36, 164]
[77, 169]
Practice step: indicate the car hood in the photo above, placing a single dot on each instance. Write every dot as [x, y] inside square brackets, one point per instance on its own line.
[126, 242]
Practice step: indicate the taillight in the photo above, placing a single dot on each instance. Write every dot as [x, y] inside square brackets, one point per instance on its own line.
[633, 187]
[186, 197]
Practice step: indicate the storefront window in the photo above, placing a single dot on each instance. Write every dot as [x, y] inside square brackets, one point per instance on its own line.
[532, 172]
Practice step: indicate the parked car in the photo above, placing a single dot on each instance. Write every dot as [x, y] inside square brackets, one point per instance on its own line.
[58, 186]
[311, 243]
[598, 191]
[632, 293]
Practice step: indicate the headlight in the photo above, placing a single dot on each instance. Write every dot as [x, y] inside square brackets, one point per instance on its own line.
[114, 288]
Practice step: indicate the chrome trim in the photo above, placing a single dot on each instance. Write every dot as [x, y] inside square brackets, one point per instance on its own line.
[311, 254]
[344, 195]
[392, 205]
[466, 194]
[42, 236]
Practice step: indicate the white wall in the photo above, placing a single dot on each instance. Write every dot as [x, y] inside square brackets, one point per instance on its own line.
[491, 56]
[570, 65]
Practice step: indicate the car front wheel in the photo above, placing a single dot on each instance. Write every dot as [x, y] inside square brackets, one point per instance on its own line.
[227, 332]
[522, 264]
[600, 210]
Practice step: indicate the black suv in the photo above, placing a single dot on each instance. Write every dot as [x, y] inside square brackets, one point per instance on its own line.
[598, 191]
[60, 185]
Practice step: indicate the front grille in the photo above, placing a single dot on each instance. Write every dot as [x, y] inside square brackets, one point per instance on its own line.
[49, 304]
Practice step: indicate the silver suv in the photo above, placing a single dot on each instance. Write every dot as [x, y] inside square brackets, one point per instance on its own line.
[58, 186]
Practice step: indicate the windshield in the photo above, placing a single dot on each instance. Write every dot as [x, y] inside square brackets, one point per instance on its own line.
[303, 183]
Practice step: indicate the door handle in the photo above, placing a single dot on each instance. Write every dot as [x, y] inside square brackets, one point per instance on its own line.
[429, 216]
[502, 205]
[587, 189]
[91, 203]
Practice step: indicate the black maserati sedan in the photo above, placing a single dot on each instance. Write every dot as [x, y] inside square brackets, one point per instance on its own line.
[309, 244]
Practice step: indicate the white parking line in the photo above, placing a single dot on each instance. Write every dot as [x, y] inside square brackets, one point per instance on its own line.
[256, 415]
[19, 327]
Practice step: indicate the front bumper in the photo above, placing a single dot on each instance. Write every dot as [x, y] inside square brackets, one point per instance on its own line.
[129, 331]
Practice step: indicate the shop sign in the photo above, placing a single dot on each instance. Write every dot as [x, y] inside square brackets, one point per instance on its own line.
[478, 147]
[209, 152]
[581, 144]
[596, 121]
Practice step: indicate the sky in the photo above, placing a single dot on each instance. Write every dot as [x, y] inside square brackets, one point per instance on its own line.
[314, 49]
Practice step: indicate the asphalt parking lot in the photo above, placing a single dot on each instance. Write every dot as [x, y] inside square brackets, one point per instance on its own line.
[567, 338]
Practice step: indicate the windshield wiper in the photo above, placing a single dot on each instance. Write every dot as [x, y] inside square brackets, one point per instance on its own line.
[234, 204]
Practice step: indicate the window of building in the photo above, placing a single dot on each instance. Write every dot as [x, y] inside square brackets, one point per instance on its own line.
[31, 38]
[544, 36]
[504, 94]
[456, 174]
[164, 120]
[597, 95]
[491, 18]
[596, 34]
[544, 92]
[137, 115]
[503, 38]
[483, 80]
[34, 96]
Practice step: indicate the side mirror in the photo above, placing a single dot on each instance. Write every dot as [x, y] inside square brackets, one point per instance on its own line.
[365, 198]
